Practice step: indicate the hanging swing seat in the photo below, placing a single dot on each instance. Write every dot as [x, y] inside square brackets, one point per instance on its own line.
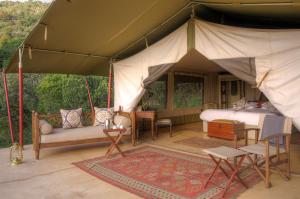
[74, 136]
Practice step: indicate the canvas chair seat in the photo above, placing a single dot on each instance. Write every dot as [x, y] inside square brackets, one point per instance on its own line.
[224, 152]
[260, 149]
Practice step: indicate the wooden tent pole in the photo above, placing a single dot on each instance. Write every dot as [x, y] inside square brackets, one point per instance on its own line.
[8, 108]
[109, 86]
[20, 99]
[89, 95]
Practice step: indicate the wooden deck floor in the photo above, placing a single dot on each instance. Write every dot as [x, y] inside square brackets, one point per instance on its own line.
[54, 177]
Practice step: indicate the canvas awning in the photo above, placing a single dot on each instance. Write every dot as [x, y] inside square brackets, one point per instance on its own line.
[82, 36]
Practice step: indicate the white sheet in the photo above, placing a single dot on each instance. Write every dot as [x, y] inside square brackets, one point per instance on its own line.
[249, 118]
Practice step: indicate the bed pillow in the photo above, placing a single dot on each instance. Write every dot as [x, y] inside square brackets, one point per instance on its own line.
[240, 104]
[250, 105]
[101, 114]
[45, 127]
[71, 118]
[122, 120]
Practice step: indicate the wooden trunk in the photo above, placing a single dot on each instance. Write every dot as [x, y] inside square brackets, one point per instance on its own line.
[225, 129]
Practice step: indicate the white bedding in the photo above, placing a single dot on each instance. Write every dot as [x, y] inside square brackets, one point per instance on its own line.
[249, 117]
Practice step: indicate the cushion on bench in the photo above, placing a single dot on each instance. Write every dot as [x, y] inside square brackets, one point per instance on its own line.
[82, 133]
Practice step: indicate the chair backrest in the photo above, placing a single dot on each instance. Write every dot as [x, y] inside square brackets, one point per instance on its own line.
[274, 124]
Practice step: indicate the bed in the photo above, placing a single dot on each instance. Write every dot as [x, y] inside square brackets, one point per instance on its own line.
[249, 116]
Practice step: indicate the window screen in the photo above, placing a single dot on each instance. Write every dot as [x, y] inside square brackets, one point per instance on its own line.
[188, 91]
[155, 97]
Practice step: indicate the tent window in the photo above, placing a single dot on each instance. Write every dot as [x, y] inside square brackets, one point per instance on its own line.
[155, 97]
[188, 91]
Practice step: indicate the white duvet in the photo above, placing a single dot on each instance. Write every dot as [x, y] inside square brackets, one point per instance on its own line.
[248, 117]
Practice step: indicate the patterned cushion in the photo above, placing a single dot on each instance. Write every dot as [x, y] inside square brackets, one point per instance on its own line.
[122, 120]
[101, 114]
[45, 127]
[71, 118]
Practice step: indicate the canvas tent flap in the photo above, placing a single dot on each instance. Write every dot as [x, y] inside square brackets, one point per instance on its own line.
[281, 84]
[129, 74]
[275, 52]
[244, 68]
[266, 57]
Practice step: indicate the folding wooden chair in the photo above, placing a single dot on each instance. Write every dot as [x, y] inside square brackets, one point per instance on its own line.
[270, 149]
[224, 154]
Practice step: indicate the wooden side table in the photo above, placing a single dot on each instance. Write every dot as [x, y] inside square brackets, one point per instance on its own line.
[146, 115]
[114, 140]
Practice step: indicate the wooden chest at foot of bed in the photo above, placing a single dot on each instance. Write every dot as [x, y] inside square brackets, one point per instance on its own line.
[225, 129]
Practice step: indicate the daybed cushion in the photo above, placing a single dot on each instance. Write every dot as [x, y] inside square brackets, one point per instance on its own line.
[71, 118]
[101, 114]
[45, 127]
[122, 120]
[63, 135]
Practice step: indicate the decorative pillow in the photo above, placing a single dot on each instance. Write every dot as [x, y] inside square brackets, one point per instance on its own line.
[122, 120]
[71, 118]
[45, 127]
[101, 114]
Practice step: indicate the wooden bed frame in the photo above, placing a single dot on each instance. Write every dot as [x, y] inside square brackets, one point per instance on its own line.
[56, 121]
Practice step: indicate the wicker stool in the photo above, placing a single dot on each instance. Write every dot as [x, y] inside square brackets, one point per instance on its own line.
[163, 122]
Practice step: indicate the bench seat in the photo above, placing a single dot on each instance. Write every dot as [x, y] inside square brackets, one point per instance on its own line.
[67, 137]
[75, 134]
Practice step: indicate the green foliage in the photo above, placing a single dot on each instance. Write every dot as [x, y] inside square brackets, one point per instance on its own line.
[16, 21]
[188, 91]
[69, 92]
[155, 97]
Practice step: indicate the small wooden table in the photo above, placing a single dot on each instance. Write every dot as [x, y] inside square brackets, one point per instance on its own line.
[114, 140]
[146, 115]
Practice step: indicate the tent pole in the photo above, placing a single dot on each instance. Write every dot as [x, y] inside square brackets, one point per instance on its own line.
[8, 108]
[109, 86]
[20, 99]
[89, 95]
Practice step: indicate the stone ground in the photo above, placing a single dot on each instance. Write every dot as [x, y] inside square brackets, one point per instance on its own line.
[54, 177]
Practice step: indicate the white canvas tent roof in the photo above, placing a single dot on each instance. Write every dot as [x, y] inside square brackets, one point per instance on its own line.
[265, 57]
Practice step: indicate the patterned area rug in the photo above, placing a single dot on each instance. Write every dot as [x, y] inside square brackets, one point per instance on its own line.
[205, 142]
[154, 173]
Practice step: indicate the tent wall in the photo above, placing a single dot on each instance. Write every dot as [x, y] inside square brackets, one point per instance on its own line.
[211, 88]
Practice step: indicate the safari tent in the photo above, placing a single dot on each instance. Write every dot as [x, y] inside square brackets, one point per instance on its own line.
[213, 45]
[76, 37]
